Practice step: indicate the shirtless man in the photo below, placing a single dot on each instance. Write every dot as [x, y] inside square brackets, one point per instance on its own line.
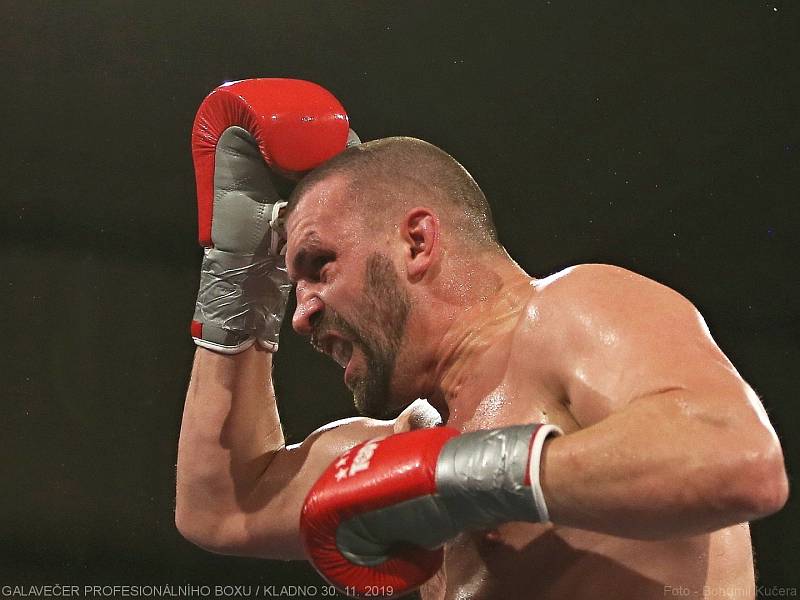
[666, 452]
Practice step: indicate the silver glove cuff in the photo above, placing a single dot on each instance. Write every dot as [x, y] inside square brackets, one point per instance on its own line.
[241, 296]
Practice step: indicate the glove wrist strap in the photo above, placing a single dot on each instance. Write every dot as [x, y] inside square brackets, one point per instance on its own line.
[242, 297]
[482, 476]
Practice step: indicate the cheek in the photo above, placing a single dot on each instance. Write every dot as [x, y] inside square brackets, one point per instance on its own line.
[342, 295]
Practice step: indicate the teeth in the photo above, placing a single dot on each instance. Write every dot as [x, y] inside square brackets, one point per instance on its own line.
[341, 352]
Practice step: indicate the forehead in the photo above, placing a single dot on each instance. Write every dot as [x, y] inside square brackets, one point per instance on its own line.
[322, 215]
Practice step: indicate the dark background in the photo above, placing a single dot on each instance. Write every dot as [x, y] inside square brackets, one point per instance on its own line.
[660, 136]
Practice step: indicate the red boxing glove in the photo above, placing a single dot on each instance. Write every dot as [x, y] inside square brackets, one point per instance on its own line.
[367, 478]
[297, 124]
[243, 133]
[375, 521]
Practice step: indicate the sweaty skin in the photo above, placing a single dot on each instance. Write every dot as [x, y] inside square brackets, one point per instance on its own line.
[667, 452]
[527, 374]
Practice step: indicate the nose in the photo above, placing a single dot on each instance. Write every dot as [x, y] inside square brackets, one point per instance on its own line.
[309, 308]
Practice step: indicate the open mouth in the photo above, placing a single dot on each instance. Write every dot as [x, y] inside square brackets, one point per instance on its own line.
[339, 349]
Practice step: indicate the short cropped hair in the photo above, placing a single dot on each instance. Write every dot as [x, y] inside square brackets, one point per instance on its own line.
[394, 174]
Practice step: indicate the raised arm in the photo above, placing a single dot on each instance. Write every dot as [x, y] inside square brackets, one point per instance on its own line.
[239, 490]
[673, 441]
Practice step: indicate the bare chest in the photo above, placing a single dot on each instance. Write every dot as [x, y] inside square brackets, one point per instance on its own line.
[528, 560]
[523, 560]
[508, 389]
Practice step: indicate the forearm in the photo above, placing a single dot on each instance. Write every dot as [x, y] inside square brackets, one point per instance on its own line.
[653, 471]
[229, 434]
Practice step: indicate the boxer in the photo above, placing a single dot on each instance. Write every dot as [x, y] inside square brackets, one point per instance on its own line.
[596, 441]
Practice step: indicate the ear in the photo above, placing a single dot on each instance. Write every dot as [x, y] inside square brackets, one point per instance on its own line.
[420, 230]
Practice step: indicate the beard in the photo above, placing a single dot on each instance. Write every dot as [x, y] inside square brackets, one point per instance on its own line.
[378, 331]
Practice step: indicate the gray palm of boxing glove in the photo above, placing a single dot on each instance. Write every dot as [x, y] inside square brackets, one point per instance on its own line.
[244, 287]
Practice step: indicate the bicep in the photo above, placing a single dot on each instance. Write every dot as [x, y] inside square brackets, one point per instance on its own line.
[267, 524]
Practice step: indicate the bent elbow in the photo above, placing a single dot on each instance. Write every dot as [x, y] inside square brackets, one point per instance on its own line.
[189, 529]
[763, 483]
[229, 536]
[204, 532]
[772, 488]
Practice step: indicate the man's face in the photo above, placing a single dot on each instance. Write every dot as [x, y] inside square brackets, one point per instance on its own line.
[350, 298]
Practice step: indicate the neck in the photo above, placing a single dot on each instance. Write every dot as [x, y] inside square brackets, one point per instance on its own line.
[459, 323]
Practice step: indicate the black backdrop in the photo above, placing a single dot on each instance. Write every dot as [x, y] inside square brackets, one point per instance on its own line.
[660, 136]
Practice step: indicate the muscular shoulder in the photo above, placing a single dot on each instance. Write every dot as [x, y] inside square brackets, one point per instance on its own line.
[591, 297]
[612, 335]
[600, 284]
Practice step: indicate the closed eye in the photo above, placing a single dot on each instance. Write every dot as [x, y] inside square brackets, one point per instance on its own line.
[317, 264]
[309, 262]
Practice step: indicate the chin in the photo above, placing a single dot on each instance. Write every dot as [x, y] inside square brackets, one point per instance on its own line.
[394, 410]
[376, 406]
[379, 393]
